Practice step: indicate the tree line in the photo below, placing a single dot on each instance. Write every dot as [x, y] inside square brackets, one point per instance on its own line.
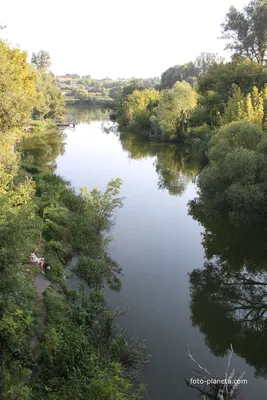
[87, 91]
[194, 99]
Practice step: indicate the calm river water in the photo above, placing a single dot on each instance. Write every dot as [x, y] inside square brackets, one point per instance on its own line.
[157, 244]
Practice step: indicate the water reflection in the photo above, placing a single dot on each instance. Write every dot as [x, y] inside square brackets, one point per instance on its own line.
[85, 114]
[175, 165]
[229, 295]
[41, 149]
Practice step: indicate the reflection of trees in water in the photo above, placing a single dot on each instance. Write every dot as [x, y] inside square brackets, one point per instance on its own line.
[86, 114]
[109, 127]
[174, 164]
[42, 149]
[229, 295]
[236, 246]
[231, 307]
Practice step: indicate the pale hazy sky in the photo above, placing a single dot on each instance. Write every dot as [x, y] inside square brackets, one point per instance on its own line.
[116, 38]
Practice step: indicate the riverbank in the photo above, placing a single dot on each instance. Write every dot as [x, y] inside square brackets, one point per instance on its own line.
[100, 102]
[78, 330]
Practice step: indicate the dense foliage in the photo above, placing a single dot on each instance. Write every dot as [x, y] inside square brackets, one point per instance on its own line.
[65, 345]
[137, 108]
[17, 87]
[234, 182]
[50, 102]
[199, 97]
[175, 108]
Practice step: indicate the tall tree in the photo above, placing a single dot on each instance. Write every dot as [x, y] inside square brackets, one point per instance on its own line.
[234, 182]
[41, 60]
[179, 73]
[17, 87]
[205, 60]
[50, 101]
[175, 108]
[138, 107]
[247, 30]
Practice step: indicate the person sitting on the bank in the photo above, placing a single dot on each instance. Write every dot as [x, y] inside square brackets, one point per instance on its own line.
[41, 263]
[33, 258]
[47, 267]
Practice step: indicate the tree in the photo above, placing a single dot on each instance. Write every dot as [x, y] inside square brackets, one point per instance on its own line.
[41, 60]
[178, 73]
[81, 94]
[17, 87]
[208, 111]
[175, 108]
[232, 108]
[115, 92]
[103, 205]
[233, 184]
[50, 101]
[205, 60]
[220, 78]
[251, 107]
[247, 31]
[138, 107]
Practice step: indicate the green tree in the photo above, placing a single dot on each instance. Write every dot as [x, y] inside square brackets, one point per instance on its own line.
[138, 108]
[220, 78]
[102, 206]
[17, 88]
[205, 60]
[41, 60]
[253, 108]
[233, 184]
[81, 94]
[231, 112]
[186, 72]
[250, 107]
[247, 30]
[175, 109]
[50, 101]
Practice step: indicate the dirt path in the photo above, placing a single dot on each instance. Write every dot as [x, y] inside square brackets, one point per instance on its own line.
[41, 284]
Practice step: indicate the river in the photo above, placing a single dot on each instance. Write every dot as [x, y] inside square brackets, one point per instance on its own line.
[158, 245]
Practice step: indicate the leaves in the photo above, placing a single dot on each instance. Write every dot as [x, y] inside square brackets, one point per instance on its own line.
[17, 88]
[175, 108]
[246, 30]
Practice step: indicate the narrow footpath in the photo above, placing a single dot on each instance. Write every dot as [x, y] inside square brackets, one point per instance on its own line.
[41, 284]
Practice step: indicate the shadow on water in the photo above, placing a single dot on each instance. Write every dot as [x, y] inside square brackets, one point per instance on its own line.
[229, 294]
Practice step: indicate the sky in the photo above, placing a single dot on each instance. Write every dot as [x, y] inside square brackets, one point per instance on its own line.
[116, 38]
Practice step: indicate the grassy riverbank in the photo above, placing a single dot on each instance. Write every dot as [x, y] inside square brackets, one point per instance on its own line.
[64, 345]
[81, 353]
